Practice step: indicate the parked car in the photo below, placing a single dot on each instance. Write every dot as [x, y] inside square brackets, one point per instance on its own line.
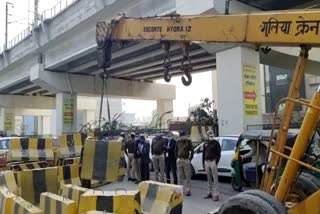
[4, 144]
[228, 144]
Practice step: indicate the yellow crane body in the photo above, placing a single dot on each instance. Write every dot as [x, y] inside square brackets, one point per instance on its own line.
[298, 28]
[285, 28]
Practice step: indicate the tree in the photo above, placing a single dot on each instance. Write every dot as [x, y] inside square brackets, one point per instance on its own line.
[203, 113]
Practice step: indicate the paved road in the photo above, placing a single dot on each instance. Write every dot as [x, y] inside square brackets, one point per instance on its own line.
[195, 203]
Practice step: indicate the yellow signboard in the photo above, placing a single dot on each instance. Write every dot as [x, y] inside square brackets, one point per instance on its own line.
[250, 90]
[68, 111]
[8, 121]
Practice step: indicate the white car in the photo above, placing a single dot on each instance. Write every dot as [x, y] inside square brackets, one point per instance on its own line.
[228, 144]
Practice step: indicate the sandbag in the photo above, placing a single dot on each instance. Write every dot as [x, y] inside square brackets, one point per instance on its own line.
[36, 181]
[30, 165]
[160, 198]
[54, 204]
[69, 174]
[7, 180]
[30, 149]
[73, 192]
[70, 145]
[6, 200]
[100, 160]
[21, 206]
[120, 202]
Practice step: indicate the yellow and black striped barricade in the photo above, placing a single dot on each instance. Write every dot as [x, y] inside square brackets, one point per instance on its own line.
[36, 181]
[100, 160]
[69, 174]
[6, 200]
[160, 198]
[122, 162]
[21, 206]
[30, 165]
[120, 202]
[97, 212]
[69, 161]
[7, 180]
[70, 145]
[199, 133]
[55, 204]
[30, 149]
[73, 192]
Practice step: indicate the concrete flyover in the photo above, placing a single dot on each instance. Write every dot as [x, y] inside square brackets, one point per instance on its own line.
[58, 55]
[65, 43]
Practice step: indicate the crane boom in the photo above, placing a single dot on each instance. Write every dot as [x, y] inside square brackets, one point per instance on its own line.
[278, 28]
[281, 28]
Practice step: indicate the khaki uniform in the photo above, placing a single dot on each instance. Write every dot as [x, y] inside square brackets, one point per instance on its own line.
[131, 168]
[157, 151]
[211, 156]
[184, 173]
[212, 175]
[184, 153]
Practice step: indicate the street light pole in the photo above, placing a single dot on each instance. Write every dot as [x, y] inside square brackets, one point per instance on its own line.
[36, 12]
[6, 26]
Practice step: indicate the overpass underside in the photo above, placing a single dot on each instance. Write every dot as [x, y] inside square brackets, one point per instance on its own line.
[58, 56]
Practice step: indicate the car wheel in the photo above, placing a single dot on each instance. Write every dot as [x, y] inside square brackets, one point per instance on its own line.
[235, 184]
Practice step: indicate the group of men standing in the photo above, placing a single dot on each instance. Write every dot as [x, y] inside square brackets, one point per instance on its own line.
[171, 157]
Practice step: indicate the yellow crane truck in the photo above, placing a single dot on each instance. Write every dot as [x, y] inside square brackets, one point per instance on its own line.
[298, 28]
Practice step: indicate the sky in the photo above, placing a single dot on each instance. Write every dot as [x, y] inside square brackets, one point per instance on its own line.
[22, 13]
[186, 96]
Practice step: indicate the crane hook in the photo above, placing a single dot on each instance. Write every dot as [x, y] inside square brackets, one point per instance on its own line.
[166, 74]
[188, 80]
[166, 61]
[186, 65]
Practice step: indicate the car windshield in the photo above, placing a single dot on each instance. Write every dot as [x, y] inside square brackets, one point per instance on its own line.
[228, 144]
[4, 144]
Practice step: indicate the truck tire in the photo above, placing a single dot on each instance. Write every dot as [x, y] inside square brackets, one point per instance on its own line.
[304, 186]
[312, 178]
[246, 204]
[277, 206]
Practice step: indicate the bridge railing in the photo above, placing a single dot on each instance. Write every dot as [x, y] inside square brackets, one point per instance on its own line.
[47, 14]
[20, 37]
[56, 9]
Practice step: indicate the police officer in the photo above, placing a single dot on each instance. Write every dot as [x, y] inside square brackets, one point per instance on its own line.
[157, 151]
[210, 157]
[184, 154]
[129, 150]
[170, 159]
[143, 151]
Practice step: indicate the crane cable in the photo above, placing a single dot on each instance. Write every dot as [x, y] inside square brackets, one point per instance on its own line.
[104, 88]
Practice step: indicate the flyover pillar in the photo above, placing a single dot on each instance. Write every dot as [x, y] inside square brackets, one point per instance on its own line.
[165, 108]
[238, 91]
[66, 113]
[7, 120]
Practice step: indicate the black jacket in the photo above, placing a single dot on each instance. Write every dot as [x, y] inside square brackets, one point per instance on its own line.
[170, 151]
[211, 151]
[144, 153]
